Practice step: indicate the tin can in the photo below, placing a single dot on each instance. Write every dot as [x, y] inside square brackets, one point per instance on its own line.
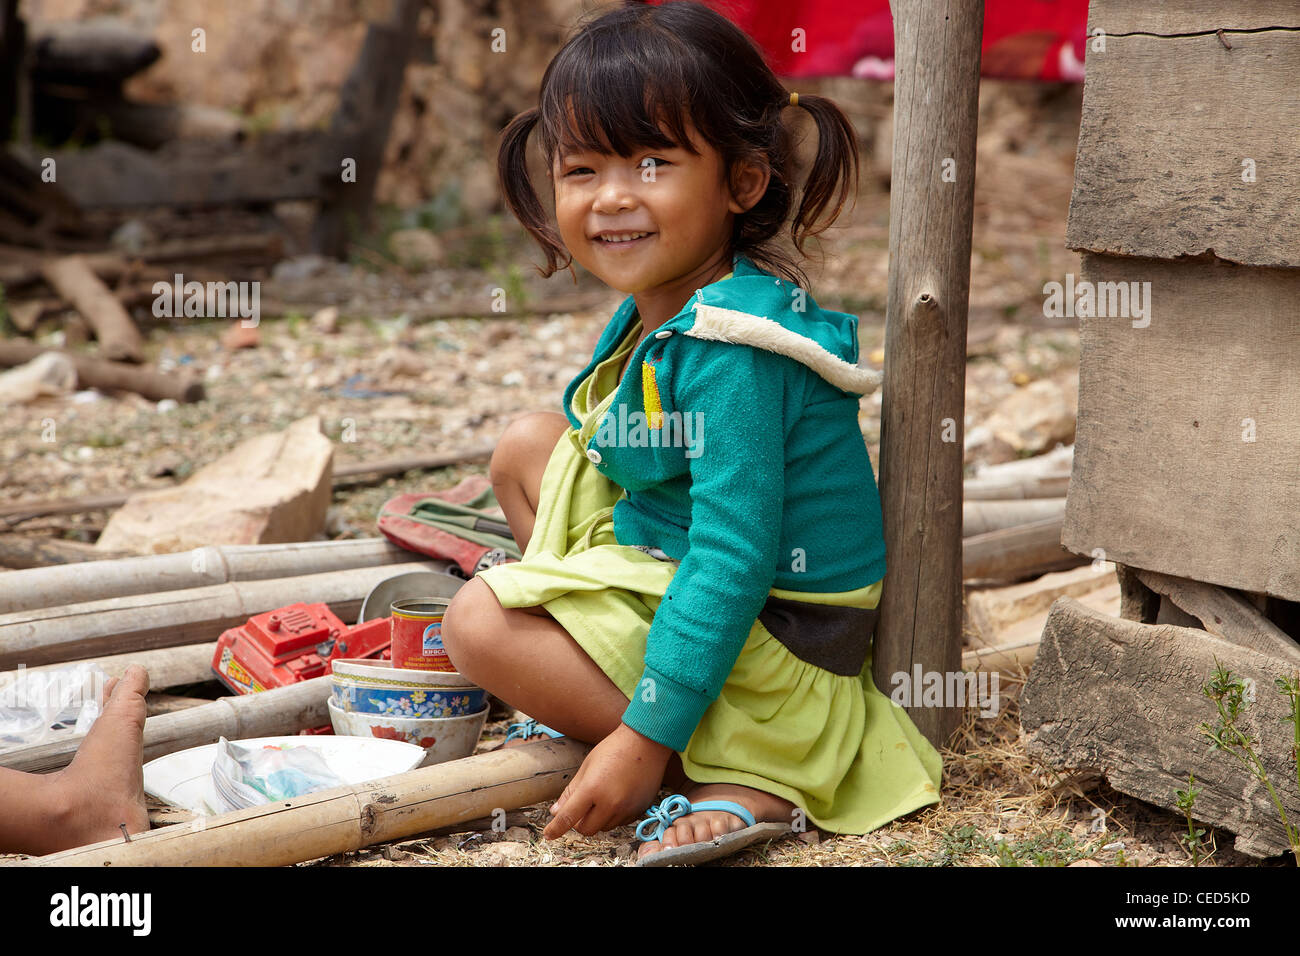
[417, 635]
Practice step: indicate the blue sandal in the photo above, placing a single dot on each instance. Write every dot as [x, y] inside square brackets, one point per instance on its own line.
[529, 728]
[661, 817]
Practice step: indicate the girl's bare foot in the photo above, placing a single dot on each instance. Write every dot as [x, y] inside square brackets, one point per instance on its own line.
[705, 825]
[103, 787]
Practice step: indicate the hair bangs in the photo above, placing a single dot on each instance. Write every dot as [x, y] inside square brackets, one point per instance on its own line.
[615, 94]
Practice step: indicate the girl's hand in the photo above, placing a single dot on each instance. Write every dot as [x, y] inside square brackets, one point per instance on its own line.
[616, 782]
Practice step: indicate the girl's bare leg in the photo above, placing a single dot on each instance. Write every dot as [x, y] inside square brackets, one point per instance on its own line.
[523, 655]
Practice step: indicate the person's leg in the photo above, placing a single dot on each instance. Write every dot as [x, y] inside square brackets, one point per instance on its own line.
[518, 464]
[87, 801]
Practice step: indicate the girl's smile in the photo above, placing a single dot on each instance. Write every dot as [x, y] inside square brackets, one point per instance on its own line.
[655, 224]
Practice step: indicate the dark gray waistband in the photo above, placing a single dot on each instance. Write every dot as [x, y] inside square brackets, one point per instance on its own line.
[832, 638]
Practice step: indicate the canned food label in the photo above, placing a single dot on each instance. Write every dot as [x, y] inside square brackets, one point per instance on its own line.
[432, 640]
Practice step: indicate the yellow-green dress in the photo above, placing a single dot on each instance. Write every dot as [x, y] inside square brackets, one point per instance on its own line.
[833, 745]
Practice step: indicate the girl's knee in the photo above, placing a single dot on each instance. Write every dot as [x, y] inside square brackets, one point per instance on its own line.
[462, 632]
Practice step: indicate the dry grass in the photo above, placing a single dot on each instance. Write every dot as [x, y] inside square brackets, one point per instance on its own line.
[999, 808]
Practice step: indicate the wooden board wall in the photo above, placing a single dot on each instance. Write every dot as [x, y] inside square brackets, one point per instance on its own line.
[1168, 122]
[1162, 477]
[1175, 17]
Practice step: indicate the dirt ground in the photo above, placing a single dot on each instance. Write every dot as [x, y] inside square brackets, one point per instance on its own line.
[385, 384]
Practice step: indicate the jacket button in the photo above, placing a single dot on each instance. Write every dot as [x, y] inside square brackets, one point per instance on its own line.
[663, 333]
[594, 456]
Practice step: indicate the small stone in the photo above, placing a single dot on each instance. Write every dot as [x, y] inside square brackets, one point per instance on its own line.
[504, 853]
[1085, 863]
[241, 336]
[326, 320]
[518, 834]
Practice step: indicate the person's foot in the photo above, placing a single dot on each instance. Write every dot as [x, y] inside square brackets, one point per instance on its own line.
[103, 787]
[705, 825]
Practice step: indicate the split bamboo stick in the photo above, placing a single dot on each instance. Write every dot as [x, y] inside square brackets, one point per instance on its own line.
[349, 818]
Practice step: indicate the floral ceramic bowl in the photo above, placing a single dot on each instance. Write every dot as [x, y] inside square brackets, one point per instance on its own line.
[410, 702]
[443, 738]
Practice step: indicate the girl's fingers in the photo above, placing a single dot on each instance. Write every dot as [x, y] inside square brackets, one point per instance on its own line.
[568, 816]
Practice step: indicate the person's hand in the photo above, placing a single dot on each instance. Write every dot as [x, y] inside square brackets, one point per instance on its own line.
[616, 782]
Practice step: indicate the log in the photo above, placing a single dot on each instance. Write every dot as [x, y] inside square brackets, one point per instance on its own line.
[188, 616]
[1043, 476]
[349, 818]
[24, 551]
[989, 611]
[150, 574]
[353, 473]
[1077, 711]
[98, 373]
[1013, 649]
[167, 667]
[75, 281]
[1018, 552]
[1224, 614]
[936, 98]
[981, 517]
[271, 713]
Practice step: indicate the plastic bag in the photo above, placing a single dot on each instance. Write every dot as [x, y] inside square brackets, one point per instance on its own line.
[41, 706]
[251, 776]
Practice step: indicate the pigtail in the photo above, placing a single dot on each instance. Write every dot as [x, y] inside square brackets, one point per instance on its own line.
[834, 173]
[517, 188]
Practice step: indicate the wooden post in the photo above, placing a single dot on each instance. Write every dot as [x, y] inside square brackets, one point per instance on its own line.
[360, 126]
[936, 97]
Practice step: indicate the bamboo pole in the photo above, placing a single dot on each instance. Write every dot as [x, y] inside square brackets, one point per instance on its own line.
[980, 517]
[272, 713]
[349, 818]
[167, 667]
[936, 97]
[149, 574]
[188, 616]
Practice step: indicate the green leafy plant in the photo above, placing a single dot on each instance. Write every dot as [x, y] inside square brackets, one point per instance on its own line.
[1229, 695]
[1192, 838]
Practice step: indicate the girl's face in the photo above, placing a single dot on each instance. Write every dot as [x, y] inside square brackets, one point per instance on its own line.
[644, 221]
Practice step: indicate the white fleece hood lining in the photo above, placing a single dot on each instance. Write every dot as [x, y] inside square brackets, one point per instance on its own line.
[742, 328]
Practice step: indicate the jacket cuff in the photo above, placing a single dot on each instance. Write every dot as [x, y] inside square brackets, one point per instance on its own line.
[665, 711]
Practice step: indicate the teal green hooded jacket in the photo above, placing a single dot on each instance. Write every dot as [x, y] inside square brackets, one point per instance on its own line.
[735, 434]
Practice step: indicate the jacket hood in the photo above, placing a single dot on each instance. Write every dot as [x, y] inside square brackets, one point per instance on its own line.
[781, 317]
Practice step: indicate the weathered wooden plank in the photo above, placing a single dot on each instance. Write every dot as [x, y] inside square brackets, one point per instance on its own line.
[1224, 614]
[1190, 16]
[1166, 182]
[1188, 444]
[1078, 710]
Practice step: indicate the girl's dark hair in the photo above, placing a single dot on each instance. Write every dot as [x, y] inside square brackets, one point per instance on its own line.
[638, 70]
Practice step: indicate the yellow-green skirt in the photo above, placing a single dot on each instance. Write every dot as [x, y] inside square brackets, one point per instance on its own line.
[833, 745]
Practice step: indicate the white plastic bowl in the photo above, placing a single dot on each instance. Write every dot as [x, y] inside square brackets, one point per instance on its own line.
[184, 779]
[442, 738]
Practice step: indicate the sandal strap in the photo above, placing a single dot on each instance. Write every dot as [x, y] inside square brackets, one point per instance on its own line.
[529, 728]
[670, 809]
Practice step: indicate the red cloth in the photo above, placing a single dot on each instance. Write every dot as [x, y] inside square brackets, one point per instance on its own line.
[1023, 39]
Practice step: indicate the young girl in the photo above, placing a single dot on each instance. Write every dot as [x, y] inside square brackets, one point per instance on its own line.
[701, 528]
